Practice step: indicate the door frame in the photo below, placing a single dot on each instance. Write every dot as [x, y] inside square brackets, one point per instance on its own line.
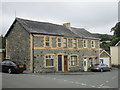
[85, 64]
[67, 63]
[58, 62]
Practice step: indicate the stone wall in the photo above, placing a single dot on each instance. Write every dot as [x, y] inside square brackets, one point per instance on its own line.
[39, 54]
[18, 44]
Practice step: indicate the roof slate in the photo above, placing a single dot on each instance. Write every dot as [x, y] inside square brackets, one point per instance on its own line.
[53, 29]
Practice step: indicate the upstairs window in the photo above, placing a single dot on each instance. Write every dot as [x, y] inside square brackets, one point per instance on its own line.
[50, 60]
[73, 60]
[47, 41]
[85, 43]
[59, 42]
[65, 42]
[93, 44]
[74, 43]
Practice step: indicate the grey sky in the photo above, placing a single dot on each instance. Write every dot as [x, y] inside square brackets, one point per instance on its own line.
[97, 17]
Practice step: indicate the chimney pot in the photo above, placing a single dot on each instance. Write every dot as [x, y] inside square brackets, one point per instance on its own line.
[67, 25]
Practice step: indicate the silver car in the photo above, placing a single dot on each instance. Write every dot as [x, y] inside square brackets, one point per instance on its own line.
[101, 67]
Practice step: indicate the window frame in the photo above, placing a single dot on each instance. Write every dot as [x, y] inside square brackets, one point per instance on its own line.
[74, 60]
[85, 44]
[49, 59]
[74, 43]
[65, 42]
[47, 42]
[92, 43]
[59, 42]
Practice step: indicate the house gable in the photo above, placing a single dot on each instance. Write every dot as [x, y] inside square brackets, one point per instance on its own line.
[104, 54]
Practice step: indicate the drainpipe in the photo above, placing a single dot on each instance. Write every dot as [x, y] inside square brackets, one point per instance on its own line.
[99, 51]
[31, 54]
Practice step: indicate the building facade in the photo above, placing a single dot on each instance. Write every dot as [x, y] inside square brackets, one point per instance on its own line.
[47, 47]
[105, 58]
[115, 54]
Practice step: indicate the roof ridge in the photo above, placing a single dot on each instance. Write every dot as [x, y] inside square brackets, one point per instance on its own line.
[38, 21]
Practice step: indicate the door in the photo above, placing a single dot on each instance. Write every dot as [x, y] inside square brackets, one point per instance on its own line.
[59, 62]
[85, 64]
[65, 63]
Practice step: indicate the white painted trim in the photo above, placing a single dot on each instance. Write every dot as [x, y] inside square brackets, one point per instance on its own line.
[105, 52]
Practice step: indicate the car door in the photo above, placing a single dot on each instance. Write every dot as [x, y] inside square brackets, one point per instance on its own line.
[4, 66]
[103, 66]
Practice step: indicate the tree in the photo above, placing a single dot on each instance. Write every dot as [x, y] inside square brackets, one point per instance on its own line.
[116, 30]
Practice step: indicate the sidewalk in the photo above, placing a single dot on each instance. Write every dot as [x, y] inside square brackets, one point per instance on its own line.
[64, 73]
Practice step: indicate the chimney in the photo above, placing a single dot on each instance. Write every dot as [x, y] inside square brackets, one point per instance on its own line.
[67, 25]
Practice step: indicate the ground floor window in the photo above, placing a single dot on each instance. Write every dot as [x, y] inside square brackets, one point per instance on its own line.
[50, 60]
[73, 60]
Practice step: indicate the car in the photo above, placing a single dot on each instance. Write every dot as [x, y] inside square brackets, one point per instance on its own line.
[101, 67]
[13, 66]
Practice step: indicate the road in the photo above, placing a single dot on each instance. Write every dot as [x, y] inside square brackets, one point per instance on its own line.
[94, 80]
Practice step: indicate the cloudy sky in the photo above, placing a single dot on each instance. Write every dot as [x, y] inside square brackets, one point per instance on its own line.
[96, 17]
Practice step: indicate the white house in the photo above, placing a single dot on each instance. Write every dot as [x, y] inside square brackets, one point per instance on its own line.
[105, 57]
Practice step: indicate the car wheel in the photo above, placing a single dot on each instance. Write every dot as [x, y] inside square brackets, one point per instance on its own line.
[9, 71]
[101, 70]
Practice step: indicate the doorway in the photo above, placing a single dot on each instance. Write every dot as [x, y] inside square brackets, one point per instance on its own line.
[65, 63]
[85, 64]
[59, 62]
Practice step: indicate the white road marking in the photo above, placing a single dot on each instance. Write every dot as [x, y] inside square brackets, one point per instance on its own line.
[107, 81]
[83, 84]
[114, 77]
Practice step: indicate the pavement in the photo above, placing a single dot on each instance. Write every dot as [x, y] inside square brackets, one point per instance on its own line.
[67, 73]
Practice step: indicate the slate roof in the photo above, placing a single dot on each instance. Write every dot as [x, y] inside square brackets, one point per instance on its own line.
[53, 29]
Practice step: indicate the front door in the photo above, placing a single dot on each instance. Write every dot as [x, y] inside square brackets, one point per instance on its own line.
[85, 64]
[59, 62]
[65, 63]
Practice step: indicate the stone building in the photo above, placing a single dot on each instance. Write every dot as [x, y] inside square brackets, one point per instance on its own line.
[47, 47]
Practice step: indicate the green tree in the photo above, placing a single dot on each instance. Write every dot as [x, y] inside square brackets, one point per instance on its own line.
[116, 30]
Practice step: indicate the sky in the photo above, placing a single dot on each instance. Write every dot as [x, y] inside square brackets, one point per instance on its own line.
[93, 15]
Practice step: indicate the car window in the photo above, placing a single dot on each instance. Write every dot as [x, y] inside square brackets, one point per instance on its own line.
[3, 63]
[96, 65]
[17, 62]
[7, 63]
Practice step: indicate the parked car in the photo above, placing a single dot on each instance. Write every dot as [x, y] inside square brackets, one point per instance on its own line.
[101, 67]
[13, 66]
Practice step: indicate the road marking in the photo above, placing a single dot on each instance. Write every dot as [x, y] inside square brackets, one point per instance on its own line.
[83, 84]
[107, 81]
[101, 85]
[114, 77]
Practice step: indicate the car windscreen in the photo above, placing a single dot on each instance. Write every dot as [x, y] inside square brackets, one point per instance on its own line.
[17, 62]
[97, 65]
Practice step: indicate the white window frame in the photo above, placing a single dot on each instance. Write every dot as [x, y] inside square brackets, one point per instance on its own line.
[48, 57]
[74, 43]
[85, 44]
[73, 60]
[47, 42]
[65, 42]
[59, 43]
[92, 43]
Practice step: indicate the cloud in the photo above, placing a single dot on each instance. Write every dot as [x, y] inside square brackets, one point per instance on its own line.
[98, 16]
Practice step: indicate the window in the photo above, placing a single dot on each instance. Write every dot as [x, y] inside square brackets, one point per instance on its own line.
[74, 43]
[65, 42]
[93, 44]
[59, 42]
[85, 43]
[47, 41]
[73, 60]
[50, 60]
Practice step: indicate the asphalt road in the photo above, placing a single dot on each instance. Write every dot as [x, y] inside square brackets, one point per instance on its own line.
[93, 80]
